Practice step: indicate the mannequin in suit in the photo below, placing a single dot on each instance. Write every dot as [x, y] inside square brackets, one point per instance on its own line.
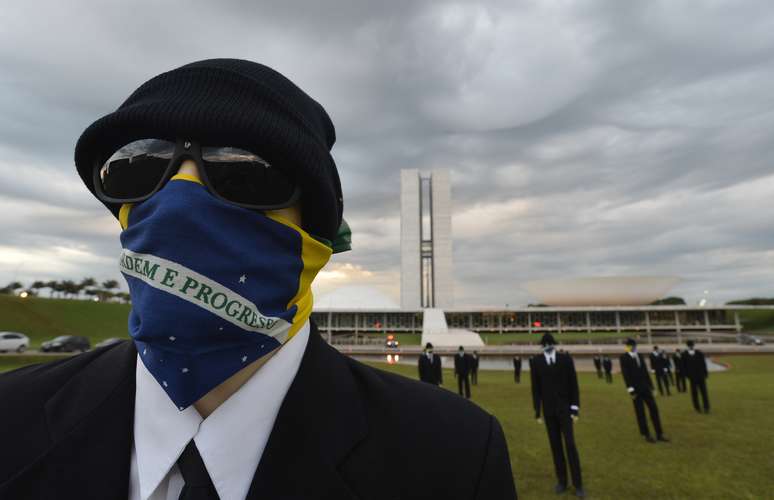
[640, 389]
[462, 368]
[678, 359]
[517, 369]
[330, 426]
[607, 364]
[555, 394]
[430, 366]
[697, 374]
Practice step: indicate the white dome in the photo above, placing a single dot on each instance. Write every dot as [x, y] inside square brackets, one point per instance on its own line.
[354, 297]
[602, 291]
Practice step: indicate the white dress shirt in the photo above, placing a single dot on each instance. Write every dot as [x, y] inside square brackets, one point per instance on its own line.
[231, 440]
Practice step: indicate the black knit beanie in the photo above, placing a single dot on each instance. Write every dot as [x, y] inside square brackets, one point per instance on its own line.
[229, 102]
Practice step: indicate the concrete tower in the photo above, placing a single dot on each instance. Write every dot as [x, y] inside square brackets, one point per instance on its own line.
[425, 240]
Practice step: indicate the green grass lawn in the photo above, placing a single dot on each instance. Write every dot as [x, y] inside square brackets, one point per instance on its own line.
[43, 319]
[728, 454]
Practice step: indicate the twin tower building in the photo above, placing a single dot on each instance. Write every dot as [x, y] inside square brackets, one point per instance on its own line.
[425, 240]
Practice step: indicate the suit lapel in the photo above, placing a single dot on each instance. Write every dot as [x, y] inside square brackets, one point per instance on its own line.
[319, 423]
[90, 422]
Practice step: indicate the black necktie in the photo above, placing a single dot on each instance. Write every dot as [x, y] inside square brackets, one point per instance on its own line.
[198, 485]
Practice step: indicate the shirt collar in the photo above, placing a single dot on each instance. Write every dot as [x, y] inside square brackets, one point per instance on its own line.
[550, 357]
[231, 440]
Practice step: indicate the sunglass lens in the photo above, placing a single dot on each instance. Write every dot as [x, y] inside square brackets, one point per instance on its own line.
[250, 184]
[136, 169]
[242, 177]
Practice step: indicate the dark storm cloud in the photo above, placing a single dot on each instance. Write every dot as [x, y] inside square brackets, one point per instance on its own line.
[598, 139]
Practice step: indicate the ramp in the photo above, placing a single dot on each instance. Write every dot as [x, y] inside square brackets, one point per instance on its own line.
[435, 331]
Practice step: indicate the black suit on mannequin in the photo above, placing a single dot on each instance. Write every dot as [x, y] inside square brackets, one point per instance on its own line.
[678, 360]
[657, 365]
[517, 369]
[696, 371]
[462, 366]
[640, 387]
[473, 368]
[555, 392]
[598, 366]
[430, 369]
[607, 363]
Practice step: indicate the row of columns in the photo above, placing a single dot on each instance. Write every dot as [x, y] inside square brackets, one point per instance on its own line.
[677, 325]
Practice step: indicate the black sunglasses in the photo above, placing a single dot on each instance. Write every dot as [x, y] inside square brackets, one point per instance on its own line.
[139, 169]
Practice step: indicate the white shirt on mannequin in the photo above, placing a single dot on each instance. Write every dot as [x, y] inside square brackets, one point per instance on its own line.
[231, 440]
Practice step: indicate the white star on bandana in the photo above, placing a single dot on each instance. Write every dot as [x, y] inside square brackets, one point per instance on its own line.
[242, 278]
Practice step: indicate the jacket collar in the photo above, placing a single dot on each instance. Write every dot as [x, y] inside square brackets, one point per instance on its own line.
[320, 421]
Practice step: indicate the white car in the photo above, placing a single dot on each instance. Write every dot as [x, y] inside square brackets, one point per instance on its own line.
[12, 341]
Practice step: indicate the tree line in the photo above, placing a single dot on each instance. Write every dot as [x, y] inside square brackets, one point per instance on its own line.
[69, 289]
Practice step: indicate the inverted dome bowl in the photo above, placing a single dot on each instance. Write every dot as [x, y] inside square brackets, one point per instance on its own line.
[602, 291]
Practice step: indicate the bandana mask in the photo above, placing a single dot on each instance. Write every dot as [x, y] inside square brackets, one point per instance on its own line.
[214, 286]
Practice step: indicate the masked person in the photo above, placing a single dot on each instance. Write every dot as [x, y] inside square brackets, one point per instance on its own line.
[221, 177]
[598, 365]
[517, 369]
[607, 364]
[555, 393]
[679, 361]
[696, 372]
[657, 365]
[640, 389]
[462, 366]
[430, 366]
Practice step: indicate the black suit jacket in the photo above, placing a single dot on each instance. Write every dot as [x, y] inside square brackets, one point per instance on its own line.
[344, 431]
[679, 362]
[430, 372]
[635, 376]
[517, 364]
[463, 364]
[555, 387]
[655, 362]
[607, 364]
[695, 366]
[666, 362]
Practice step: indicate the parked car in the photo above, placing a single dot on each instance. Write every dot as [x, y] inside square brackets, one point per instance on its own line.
[66, 343]
[13, 341]
[747, 339]
[110, 341]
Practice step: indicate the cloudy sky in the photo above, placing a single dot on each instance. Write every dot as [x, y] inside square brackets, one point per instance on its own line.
[583, 138]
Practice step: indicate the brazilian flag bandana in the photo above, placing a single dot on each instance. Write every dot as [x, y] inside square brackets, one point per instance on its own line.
[214, 286]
